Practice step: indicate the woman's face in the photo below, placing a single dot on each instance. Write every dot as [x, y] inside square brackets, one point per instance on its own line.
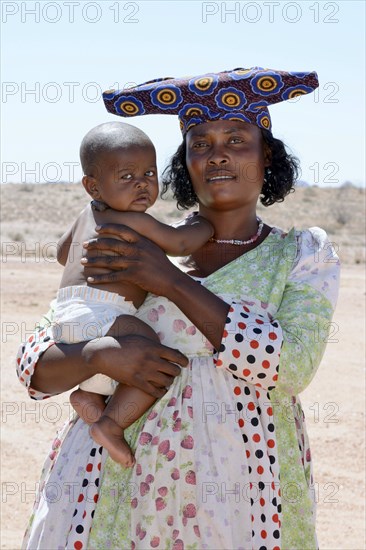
[226, 162]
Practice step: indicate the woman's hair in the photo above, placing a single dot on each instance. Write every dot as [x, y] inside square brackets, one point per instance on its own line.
[279, 177]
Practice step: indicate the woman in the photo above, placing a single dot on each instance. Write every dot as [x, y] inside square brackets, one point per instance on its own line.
[222, 459]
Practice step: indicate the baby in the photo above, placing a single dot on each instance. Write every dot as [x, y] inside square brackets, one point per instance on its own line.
[119, 163]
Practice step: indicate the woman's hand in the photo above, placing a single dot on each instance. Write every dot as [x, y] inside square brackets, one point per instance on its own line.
[134, 259]
[138, 361]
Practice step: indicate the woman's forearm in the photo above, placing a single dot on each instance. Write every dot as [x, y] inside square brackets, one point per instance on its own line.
[206, 311]
[63, 366]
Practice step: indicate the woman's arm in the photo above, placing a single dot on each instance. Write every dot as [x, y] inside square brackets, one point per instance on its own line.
[46, 368]
[140, 261]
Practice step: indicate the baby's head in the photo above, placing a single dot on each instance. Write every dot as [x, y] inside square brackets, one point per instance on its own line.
[119, 166]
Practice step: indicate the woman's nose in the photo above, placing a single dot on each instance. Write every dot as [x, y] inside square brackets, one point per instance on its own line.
[217, 156]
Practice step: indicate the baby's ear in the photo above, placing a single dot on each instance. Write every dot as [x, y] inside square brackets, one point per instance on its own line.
[91, 186]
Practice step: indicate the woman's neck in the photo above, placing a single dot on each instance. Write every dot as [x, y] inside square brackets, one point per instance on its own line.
[238, 224]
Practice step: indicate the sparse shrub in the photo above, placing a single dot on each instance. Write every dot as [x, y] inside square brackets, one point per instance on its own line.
[17, 237]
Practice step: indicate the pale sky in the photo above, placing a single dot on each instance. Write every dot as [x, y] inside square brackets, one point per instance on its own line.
[57, 58]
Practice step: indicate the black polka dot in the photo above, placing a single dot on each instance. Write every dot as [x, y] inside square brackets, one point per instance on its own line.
[276, 534]
[263, 548]
[259, 410]
[245, 438]
[274, 501]
[245, 315]
[271, 427]
[261, 486]
[269, 349]
[249, 469]
[233, 367]
[263, 518]
[228, 320]
[272, 459]
[100, 450]
[246, 390]
[239, 406]
[235, 377]
[22, 367]
[47, 339]
[75, 512]
[254, 421]
[92, 514]
[271, 388]
[259, 453]
[262, 375]
[251, 502]
[222, 348]
[239, 337]
[277, 368]
[97, 482]
[79, 529]
[29, 360]
[23, 349]
[33, 344]
[257, 330]
[279, 508]
[85, 482]
[93, 452]
[275, 324]
[251, 359]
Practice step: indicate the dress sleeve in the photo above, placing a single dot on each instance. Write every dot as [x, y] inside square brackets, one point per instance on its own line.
[285, 352]
[29, 353]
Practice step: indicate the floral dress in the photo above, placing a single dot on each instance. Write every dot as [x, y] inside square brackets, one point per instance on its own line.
[223, 459]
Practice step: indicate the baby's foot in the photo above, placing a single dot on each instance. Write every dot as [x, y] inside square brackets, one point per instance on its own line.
[89, 406]
[107, 433]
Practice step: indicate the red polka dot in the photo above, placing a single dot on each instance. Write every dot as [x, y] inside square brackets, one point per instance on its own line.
[262, 502]
[242, 326]
[246, 372]
[266, 364]
[99, 466]
[251, 406]
[256, 438]
[26, 371]
[248, 454]
[18, 361]
[89, 467]
[237, 390]
[275, 377]
[36, 349]
[257, 394]
[273, 485]
[224, 334]
[84, 514]
[276, 548]
[254, 344]
[259, 321]
[30, 339]
[236, 353]
[219, 363]
[272, 336]
[78, 545]
[96, 498]
[263, 534]
[252, 518]
[81, 498]
[246, 309]
[231, 309]
[271, 443]
[275, 518]
[260, 470]
[270, 411]
[241, 422]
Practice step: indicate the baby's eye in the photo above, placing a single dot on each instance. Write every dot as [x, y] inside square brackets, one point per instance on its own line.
[126, 176]
[150, 173]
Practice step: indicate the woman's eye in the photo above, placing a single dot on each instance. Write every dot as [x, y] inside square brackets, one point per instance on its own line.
[199, 144]
[236, 140]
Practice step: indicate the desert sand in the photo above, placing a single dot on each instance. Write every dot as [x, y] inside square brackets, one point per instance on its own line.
[334, 403]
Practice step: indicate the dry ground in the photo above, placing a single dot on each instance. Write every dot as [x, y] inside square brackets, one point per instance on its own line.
[333, 403]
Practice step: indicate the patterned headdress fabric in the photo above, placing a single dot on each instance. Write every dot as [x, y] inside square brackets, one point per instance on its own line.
[240, 94]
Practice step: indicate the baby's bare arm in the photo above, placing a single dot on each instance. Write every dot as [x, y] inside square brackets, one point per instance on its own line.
[63, 246]
[175, 241]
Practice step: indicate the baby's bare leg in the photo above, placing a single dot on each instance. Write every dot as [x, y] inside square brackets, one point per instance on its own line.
[89, 406]
[127, 403]
[125, 407]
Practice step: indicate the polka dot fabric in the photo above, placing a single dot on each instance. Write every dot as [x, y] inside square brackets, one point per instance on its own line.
[250, 346]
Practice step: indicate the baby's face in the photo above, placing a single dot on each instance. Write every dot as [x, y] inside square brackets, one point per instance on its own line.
[127, 178]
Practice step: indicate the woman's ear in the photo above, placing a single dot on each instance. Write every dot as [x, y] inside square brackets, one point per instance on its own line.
[91, 187]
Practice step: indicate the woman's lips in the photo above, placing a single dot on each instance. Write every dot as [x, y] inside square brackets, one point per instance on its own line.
[219, 177]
